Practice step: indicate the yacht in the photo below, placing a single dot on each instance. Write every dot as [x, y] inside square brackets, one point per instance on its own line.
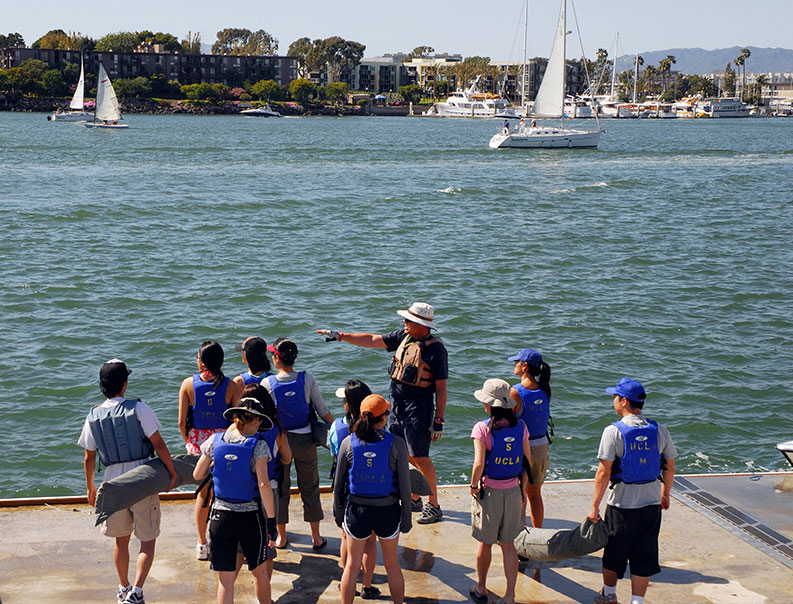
[656, 109]
[722, 107]
[472, 103]
[263, 110]
[685, 108]
[576, 108]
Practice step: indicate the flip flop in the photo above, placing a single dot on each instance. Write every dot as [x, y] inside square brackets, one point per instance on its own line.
[320, 545]
[476, 596]
[284, 546]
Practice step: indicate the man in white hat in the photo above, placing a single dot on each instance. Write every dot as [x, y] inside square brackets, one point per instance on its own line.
[419, 370]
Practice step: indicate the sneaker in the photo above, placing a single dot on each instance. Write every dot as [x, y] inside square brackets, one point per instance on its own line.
[202, 551]
[370, 593]
[430, 514]
[134, 597]
[604, 599]
[416, 505]
[122, 593]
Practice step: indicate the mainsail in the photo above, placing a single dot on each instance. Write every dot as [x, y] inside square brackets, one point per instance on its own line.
[106, 101]
[78, 100]
[550, 97]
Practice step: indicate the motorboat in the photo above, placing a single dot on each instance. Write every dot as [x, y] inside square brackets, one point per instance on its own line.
[576, 108]
[263, 110]
[685, 108]
[549, 103]
[472, 103]
[657, 109]
[722, 107]
[76, 111]
[107, 114]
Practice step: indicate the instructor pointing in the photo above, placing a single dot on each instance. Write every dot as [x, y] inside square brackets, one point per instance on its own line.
[419, 369]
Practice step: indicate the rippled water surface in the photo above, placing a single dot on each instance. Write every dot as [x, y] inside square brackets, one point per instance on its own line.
[665, 255]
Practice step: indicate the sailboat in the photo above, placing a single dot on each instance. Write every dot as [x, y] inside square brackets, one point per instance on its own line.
[549, 104]
[75, 113]
[107, 114]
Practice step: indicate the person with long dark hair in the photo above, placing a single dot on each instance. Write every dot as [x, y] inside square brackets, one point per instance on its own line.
[371, 495]
[254, 355]
[203, 399]
[353, 393]
[532, 396]
[242, 523]
[500, 444]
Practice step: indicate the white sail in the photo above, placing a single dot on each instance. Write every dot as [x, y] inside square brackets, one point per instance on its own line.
[550, 97]
[78, 100]
[106, 101]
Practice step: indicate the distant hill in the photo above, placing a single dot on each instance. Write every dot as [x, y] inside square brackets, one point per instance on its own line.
[701, 61]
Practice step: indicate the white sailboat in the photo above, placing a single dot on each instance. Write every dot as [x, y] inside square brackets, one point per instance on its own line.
[76, 111]
[549, 104]
[107, 113]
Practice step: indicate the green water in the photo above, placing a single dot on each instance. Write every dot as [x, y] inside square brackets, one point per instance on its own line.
[665, 255]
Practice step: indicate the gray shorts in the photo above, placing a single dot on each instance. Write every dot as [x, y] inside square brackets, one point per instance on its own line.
[496, 518]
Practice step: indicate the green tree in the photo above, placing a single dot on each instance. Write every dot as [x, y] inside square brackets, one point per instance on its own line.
[235, 41]
[52, 83]
[760, 81]
[470, 67]
[55, 38]
[741, 63]
[191, 45]
[664, 68]
[340, 53]
[601, 70]
[440, 88]
[302, 90]
[420, 52]
[122, 41]
[14, 40]
[265, 90]
[197, 92]
[300, 49]
[337, 91]
[126, 88]
[729, 80]
[411, 93]
[221, 91]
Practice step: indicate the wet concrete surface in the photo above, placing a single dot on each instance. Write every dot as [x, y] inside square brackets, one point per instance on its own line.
[54, 553]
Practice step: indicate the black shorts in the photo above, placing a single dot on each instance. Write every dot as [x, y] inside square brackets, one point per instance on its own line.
[413, 422]
[635, 539]
[228, 530]
[360, 520]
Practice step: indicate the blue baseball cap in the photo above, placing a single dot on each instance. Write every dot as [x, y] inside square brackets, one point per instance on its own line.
[527, 355]
[629, 389]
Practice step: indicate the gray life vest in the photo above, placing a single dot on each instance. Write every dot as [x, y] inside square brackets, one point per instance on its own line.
[118, 434]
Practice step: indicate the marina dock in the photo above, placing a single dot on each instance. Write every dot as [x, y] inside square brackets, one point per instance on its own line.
[725, 539]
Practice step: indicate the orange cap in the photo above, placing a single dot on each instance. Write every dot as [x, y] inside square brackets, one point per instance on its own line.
[375, 404]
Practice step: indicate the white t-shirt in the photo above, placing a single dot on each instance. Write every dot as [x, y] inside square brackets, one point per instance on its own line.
[148, 421]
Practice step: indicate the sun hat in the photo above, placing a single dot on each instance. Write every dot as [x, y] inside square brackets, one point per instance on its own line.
[254, 407]
[495, 392]
[527, 355]
[419, 312]
[375, 404]
[254, 344]
[629, 389]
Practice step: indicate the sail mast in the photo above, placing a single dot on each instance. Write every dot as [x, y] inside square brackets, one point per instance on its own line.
[614, 67]
[525, 50]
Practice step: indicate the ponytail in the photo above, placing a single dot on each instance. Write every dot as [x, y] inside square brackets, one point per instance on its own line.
[354, 392]
[542, 374]
[364, 427]
[211, 355]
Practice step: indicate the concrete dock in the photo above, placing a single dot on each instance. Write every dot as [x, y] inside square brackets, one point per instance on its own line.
[725, 539]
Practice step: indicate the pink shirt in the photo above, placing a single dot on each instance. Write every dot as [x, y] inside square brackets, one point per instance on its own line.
[481, 432]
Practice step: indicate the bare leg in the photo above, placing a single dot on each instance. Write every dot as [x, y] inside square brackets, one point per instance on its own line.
[121, 559]
[262, 582]
[369, 560]
[536, 507]
[510, 555]
[316, 538]
[639, 585]
[396, 580]
[427, 469]
[610, 578]
[226, 586]
[343, 549]
[202, 514]
[355, 549]
[144, 562]
[484, 554]
[280, 541]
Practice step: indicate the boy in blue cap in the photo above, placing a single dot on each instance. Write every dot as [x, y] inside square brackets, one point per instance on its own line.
[637, 458]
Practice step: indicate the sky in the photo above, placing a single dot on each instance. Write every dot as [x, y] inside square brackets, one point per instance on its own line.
[468, 27]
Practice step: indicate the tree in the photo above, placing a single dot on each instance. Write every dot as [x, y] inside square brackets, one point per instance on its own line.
[440, 88]
[191, 45]
[132, 87]
[52, 83]
[234, 41]
[340, 53]
[729, 80]
[221, 91]
[420, 52]
[169, 41]
[122, 41]
[760, 81]
[300, 49]
[601, 69]
[470, 67]
[55, 39]
[265, 90]
[302, 90]
[14, 40]
[197, 92]
[650, 72]
[741, 63]
[337, 91]
[411, 93]
[664, 68]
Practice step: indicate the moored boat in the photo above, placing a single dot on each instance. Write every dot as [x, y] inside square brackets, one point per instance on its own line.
[472, 103]
[76, 111]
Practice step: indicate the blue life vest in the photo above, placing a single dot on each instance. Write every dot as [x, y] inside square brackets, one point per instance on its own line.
[339, 430]
[505, 458]
[641, 462]
[118, 434]
[290, 400]
[370, 473]
[249, 378]
[210, 403]
[232, 477]
[534, 411]
[273, 467]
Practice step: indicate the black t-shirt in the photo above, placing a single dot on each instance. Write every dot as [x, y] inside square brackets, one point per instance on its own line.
[434, 355]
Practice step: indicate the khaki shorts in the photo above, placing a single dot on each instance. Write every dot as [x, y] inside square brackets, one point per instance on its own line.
[539, 465]
[496, 518]
[143, 517]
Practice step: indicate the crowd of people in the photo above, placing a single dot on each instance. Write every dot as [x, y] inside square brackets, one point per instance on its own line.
[250, 429]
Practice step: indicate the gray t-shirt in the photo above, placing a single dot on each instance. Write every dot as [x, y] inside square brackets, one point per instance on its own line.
[313, 395]
[612, 445]
[261, 450]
